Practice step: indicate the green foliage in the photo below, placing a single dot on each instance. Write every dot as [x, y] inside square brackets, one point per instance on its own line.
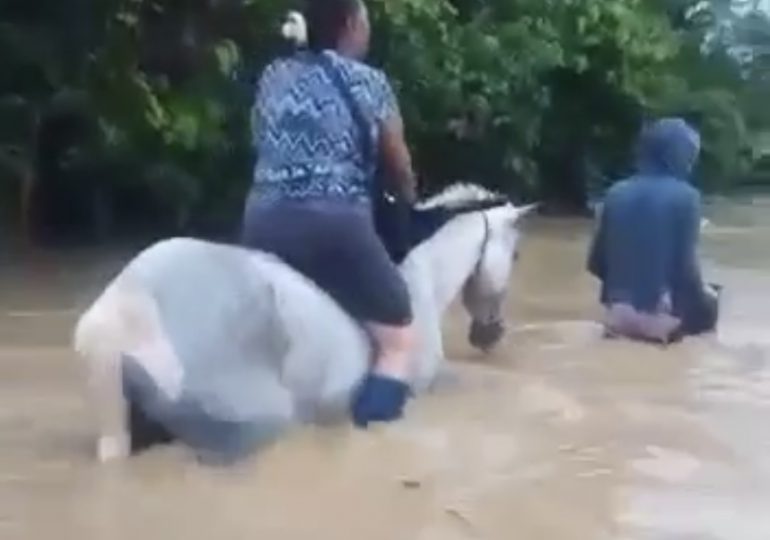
[149, 99]
[495, 90]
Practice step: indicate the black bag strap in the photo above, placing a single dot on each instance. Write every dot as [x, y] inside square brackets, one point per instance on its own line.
[335, 75]
[392, 216]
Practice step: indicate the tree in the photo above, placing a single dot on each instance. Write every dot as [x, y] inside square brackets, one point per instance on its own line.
[137, 111]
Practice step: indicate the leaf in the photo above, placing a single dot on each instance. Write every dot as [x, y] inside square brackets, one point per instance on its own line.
[228, 56]
[130, 20]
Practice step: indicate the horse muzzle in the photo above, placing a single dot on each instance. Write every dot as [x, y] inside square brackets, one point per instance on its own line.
[484, 335]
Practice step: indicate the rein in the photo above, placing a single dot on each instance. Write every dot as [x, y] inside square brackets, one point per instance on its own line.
[485, 333]
[484, 243]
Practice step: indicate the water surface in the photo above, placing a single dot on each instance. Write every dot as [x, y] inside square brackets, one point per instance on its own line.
[557, 435]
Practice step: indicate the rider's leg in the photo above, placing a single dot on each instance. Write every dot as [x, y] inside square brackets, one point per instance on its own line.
[336, 246]
[394, 346]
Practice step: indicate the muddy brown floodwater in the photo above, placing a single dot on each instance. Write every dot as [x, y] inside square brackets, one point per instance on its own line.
[557, 435]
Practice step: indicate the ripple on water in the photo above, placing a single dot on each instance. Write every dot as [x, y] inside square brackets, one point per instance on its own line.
[678, 514]
[666, 464]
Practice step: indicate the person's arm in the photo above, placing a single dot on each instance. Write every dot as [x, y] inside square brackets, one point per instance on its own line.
[597, 256]
[687, 282]
[393, 152]
[396, 159]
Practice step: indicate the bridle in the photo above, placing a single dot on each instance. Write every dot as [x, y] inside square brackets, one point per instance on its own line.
[484, 243]
[485, 334]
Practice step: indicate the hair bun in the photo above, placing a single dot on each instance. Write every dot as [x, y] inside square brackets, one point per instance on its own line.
[294, 29]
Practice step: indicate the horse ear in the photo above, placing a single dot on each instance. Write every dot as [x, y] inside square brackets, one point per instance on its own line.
[522, 212]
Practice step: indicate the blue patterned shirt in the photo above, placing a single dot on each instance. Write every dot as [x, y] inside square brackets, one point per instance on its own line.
[307, 142]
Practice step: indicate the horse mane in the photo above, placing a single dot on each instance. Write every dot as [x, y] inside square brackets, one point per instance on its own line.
[461, 195]
[430, 215]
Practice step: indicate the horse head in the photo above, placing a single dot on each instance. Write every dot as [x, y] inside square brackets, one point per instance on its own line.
[485, 289]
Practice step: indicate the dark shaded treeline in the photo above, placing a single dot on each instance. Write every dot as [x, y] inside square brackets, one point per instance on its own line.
[131, 115]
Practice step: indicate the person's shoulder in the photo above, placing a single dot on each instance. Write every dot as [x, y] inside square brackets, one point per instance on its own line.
[684, 192]
[689, 190]
[280, 66]
[357, 71]
[620, 187]
[270, 71]
[297, 60]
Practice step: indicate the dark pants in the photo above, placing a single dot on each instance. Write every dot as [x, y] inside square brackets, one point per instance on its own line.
[333, 243]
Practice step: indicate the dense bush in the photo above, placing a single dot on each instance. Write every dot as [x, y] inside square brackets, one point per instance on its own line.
[136, 112]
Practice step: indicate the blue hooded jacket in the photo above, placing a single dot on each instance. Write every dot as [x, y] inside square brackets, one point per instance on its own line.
[646, 242]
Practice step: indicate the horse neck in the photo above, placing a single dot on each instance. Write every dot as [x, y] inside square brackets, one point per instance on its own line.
[448, 259]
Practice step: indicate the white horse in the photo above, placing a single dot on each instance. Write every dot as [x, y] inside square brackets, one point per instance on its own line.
[249, 339]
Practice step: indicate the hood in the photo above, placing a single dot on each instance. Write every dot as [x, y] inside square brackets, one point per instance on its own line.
[669, 147]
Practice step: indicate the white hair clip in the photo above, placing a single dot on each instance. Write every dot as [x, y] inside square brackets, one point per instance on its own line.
[294, 28]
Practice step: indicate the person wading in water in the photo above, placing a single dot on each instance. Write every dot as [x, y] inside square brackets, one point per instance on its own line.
[645, 248]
